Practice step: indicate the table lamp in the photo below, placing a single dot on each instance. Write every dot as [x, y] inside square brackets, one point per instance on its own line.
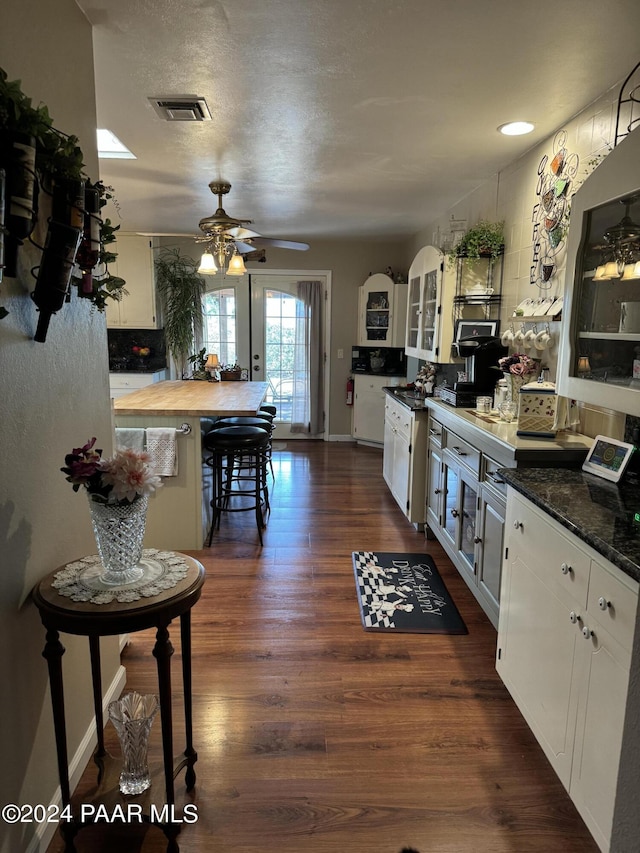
[211, 366]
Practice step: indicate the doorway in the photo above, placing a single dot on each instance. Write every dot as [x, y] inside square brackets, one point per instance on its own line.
[264, 323]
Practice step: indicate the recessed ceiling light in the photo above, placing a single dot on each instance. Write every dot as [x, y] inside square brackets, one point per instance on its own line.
[516, 128]
[110, 147]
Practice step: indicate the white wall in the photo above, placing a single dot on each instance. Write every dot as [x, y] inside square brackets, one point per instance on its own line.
[54, 395]
[510, 196]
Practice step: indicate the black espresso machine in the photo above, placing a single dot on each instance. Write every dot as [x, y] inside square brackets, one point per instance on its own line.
[481, 354]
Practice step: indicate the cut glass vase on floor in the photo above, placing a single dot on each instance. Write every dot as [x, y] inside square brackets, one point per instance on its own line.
[132, 716]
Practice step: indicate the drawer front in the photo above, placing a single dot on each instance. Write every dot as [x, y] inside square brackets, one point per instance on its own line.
[550, 552]
[436, 433]
[464, 452]
[613, 601]
[490, 476]
[399, 417]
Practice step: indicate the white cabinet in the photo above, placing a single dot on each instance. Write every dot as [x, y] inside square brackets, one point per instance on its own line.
[124, 383]
[382, 312]
[137, 309]
[429, 331]
[368, 406]
[599, 359]
[567, 622]
[405, 445]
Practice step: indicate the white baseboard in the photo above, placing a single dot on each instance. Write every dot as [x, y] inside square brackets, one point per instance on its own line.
[44, 835]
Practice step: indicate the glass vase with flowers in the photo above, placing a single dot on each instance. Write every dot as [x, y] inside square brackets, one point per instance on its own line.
[518, 369]
[118, 490]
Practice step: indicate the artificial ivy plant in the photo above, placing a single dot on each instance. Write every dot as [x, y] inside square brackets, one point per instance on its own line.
[484, 240]
[58, 156]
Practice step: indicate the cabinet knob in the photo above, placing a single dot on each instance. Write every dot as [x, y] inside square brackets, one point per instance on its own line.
[574, 617]
[437, 491]
[603, 604]
[477, 540]
[455, 513]
[517, 525]
[566, 569]
[587, 633]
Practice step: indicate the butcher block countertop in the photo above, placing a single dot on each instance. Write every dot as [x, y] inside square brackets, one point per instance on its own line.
[193, 398]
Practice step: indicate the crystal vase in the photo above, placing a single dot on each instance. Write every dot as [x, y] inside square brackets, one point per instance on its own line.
[119, 532]
[514, 383]
[132, 716]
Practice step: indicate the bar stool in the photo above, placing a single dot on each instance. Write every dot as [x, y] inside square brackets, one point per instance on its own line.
[226, 446]
[264, 419]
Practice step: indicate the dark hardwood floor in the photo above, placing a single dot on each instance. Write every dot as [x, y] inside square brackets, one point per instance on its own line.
[314, 735]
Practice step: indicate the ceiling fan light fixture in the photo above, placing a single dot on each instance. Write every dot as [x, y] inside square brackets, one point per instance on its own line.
[516, 128]
[207, 264]
[236, 265]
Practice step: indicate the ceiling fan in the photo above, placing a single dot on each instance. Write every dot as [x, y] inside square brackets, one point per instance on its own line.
[227, 238]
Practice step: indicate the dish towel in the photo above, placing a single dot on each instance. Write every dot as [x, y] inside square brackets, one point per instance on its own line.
[128, 438]
[162, 448]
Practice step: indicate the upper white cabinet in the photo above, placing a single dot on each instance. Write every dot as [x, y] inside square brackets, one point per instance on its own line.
[429, 332]
[600, 352]
[382, 312]
[136, 310]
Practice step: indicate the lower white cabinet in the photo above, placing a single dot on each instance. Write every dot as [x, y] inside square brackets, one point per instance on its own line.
[368, 406]
[567, 622]
[124, 383]
[405, 444]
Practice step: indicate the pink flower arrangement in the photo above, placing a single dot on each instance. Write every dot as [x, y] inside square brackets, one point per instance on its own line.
[518, 364]
[119, 480]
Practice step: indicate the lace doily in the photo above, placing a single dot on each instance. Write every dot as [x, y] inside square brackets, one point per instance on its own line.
[80, 580]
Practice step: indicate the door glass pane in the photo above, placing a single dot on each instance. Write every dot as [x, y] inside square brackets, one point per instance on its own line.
[220, 330]
[280, 361]
[606, 295]
[468, 503]
[451, 503]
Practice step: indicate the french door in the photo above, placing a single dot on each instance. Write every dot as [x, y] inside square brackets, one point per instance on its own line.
[252, 321]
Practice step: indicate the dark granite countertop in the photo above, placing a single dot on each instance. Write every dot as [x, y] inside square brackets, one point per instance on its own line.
[598, 512]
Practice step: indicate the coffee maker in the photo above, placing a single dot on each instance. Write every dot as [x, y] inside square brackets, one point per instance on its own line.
[481, 354]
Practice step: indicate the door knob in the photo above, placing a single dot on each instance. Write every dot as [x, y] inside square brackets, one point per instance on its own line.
[256, 367]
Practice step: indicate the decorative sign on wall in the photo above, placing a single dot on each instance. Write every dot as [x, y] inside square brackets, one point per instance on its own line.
[550, 215]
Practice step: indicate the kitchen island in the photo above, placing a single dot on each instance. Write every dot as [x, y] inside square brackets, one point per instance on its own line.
[179, 513]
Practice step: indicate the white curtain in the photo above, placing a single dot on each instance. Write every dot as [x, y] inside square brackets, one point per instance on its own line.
[308, 374]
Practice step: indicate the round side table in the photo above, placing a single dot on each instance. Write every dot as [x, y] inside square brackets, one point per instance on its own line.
[60, 614]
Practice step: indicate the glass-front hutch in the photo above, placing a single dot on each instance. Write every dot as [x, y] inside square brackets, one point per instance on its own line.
[600, 353]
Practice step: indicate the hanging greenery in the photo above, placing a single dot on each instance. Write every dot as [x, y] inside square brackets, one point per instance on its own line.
[58, 156]
[484, 240]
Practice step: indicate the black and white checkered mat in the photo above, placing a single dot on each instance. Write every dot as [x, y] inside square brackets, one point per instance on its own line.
[404, 592]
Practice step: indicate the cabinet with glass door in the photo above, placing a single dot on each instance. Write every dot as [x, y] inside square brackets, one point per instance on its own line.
[600, 354]
[429, 331]
[383, 305]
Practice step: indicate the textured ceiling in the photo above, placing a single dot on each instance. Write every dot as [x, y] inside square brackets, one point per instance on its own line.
[340, 118]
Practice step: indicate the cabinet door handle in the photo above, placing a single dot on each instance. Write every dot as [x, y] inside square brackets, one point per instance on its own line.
[566, 569]
[574, 617]
[494, 478]
[587, 633]
[517, 525]
[437, 491]
[477, 540]
[459, 451]
[455, 513]
[603, 604]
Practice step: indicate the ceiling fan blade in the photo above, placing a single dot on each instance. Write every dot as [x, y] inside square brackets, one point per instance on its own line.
[243, 248]
[280, 244]
[241, 233]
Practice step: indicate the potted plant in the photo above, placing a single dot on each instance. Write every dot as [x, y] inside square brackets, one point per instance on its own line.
[484, 240]
[198, 363]
[180, 289]
[231, 372]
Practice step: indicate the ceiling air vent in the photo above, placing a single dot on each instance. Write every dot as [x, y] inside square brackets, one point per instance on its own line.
[181, 108]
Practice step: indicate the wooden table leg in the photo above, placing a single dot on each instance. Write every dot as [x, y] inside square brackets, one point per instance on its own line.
[162, 652]
[52, 653]
[96, 679]
[190, 753]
